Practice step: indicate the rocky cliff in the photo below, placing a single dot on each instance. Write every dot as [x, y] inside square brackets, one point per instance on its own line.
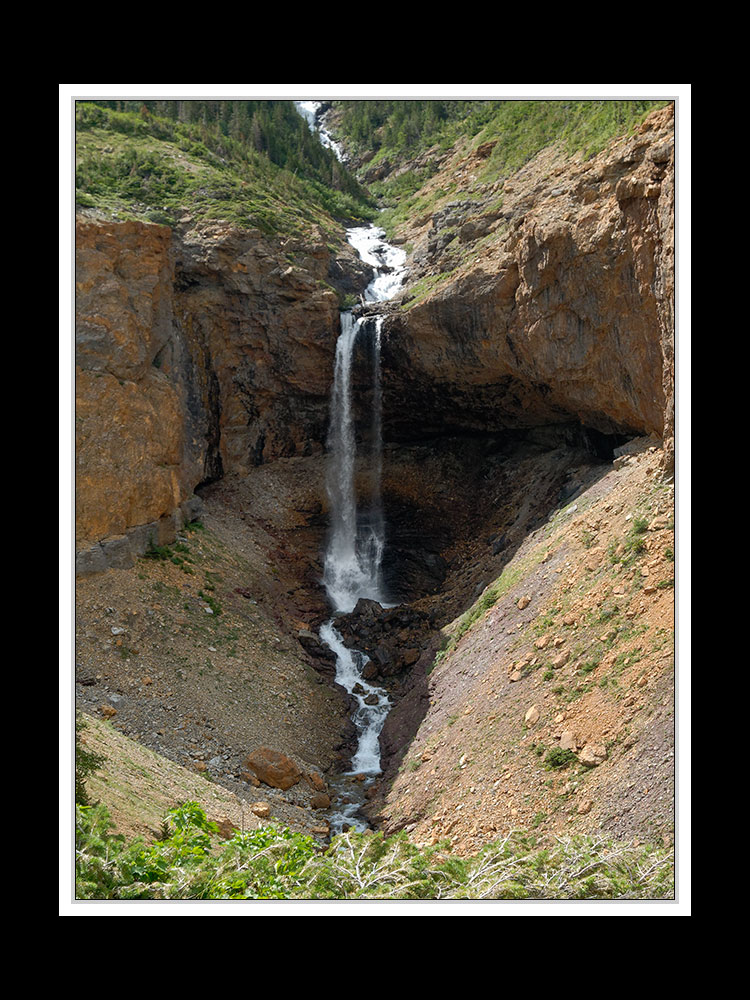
[198, 353]
[543, 298]
[530, 302]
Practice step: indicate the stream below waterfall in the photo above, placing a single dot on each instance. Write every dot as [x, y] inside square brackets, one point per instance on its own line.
[356, 538]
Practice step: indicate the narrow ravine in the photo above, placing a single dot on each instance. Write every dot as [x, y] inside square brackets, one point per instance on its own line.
[309, 111]
[356, 538]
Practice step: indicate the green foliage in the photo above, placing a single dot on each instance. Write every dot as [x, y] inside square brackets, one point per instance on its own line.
[158, 552]
[557, 757]
[86, 763]
[178, 553]
[510, 576]
[519, 129]
[608, 613]
[189, 862]
[398, 126]
[634, 543]
[211, 601]
[511, 132]
[253, 163]
[186, 862]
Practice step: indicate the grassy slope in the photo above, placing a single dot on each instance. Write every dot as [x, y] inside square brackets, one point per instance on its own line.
[139, 786]
[130, 168]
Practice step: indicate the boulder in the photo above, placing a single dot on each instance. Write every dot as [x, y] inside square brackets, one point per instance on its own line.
[273, 768]
[593, 754]
[568, 741]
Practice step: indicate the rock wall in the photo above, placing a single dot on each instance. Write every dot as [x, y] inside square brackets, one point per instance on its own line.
[129, 442]
[556, 297]
[198, 353]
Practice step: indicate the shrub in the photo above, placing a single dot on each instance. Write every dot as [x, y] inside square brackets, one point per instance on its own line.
[557, 757]
[275, 863]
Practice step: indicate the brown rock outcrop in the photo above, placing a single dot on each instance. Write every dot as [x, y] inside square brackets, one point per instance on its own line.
[197, 353]
[128, 415]
[260, 333]
[208, 350]
[566, 314]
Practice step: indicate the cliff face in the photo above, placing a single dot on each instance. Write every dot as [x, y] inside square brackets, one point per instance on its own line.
[129, 442]
[546, 299]
[554, 300]
[197, 354]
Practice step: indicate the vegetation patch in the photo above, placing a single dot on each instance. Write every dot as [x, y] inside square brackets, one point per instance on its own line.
[511, 575]
[252, 163]
[189, 861]
[557, 758]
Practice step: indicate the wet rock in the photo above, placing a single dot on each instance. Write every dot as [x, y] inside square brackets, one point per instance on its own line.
[369, 671]
[313, 645]
[317, 781]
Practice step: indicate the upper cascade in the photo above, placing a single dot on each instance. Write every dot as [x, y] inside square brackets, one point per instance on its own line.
[310, 111]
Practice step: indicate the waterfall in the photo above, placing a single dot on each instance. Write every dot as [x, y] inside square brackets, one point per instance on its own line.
[356, 542]
[309, 111]
[352, 566]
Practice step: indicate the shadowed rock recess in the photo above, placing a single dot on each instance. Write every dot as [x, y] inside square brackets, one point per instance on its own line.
[514, 373]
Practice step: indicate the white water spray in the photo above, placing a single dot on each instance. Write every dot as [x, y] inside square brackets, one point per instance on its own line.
[354, 555]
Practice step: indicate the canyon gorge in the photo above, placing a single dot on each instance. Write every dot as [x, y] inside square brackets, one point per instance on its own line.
[522, 631]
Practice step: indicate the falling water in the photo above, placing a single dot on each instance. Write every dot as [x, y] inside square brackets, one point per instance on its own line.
[354, 554]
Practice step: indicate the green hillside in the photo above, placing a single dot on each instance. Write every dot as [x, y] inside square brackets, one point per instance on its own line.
[253, 163]
[396, 129]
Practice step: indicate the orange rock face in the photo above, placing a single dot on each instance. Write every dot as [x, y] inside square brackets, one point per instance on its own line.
[196, 355]
[273, 768]
[128, 420]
